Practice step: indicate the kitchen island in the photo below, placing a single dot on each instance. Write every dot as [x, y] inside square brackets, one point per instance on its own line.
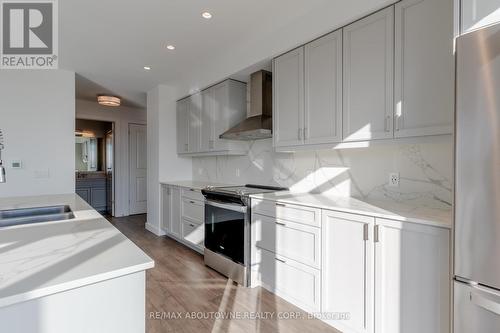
[77, 275]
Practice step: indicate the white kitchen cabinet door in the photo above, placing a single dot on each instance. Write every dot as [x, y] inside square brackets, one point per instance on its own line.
[297, 283]
[182, 126]
[288, 95]
[207, 120]
[166, 215]
[412, 274]
[368, 77]
[424, 68]
[347, 270]
[175, 212]
[323, 90]
[194, 121]
[476, 14]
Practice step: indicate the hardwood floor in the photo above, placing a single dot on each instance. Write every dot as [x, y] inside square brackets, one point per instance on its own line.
[183, 295]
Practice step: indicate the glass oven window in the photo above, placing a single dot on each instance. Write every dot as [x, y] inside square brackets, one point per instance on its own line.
[225, 232]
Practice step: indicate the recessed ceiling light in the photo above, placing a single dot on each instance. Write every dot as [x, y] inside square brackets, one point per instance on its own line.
[147, 68]
[206, 15]
[170, 47]
[108, 100]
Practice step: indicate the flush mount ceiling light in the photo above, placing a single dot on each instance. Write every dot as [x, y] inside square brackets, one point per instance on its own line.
[147, 68]
[108, 100]
[170, 47]
[206, 15]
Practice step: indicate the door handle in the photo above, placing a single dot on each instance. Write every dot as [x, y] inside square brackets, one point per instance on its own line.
[280, 204]
[280, 223]
[281, 260]
[485, 303]
[365, 232]
[375, 234]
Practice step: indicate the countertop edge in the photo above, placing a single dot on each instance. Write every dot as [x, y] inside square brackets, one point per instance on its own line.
[47, 291]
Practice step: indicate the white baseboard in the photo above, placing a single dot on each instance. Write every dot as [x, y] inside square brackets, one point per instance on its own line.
[154, 230]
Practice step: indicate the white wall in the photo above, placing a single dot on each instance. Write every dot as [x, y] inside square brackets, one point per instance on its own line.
[122, 116]
[37, 116]
[163, 162]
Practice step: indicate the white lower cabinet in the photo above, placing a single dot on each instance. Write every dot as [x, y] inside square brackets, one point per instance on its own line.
[412, 274]
[193, 233]
[364, 274]
[295, 282]
[347, 270]
[175, 219]
[182, 216]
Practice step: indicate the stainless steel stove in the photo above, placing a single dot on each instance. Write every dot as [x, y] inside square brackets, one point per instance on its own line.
[227, 229]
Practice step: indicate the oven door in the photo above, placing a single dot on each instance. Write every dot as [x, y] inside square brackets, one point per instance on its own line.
[225, 229]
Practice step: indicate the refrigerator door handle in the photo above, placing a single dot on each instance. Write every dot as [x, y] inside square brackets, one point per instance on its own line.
[485, 303]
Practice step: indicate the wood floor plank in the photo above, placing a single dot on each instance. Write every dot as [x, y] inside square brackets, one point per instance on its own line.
[180, 283]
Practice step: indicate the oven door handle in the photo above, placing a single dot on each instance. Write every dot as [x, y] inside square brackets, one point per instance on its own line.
[233, 207]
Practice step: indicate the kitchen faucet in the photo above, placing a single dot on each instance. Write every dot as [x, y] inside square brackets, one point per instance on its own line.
[2, 169]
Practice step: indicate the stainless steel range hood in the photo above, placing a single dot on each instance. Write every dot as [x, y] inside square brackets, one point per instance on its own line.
[259, 123]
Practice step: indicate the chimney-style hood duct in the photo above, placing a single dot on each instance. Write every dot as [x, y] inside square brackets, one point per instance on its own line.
[259, 123]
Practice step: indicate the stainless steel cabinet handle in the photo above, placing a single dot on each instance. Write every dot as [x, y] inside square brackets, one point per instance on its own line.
[280, 223]
[191, 201]
[280, 204]
[365, 232]
[281, 260]
[192, 189]
[191, 225]
[300, 133]
[375, 234]
[305, 133]
[388, 123]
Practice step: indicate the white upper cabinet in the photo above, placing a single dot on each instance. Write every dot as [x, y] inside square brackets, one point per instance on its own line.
[368, 77]
[288, 93]
[412, 280]
[424, 68]
[208, 114]
[476, 14]
[323, 90]
[182, 126]
[207, 120]
[194, 122]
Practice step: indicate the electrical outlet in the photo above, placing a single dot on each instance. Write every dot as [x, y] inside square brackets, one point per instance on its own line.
[394, 179]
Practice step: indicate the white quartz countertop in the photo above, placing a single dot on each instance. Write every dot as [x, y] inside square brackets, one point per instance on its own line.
[199, 185]
[376, 208]
[46, 258]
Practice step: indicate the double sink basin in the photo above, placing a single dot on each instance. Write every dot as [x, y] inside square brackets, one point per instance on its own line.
[22, 216]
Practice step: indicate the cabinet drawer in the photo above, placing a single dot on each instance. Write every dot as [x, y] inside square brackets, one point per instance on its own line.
[297, 283]
[292, 240]
[289, 212]
[193, 233]
[192, 193]
[193, 210]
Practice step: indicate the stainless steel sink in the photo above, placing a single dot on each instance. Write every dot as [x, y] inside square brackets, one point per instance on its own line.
[35, 215]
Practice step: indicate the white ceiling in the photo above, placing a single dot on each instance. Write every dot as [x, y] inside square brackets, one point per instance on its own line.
[108, 42]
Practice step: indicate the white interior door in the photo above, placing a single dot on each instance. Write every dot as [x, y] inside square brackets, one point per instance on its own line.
[137, 169]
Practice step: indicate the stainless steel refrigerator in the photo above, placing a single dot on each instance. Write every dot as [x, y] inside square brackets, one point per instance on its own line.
[477, 196]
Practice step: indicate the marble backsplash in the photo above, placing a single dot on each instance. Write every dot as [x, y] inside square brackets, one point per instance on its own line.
[425, 167]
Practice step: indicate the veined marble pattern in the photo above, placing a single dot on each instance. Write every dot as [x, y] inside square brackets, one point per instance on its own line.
[426, 170]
